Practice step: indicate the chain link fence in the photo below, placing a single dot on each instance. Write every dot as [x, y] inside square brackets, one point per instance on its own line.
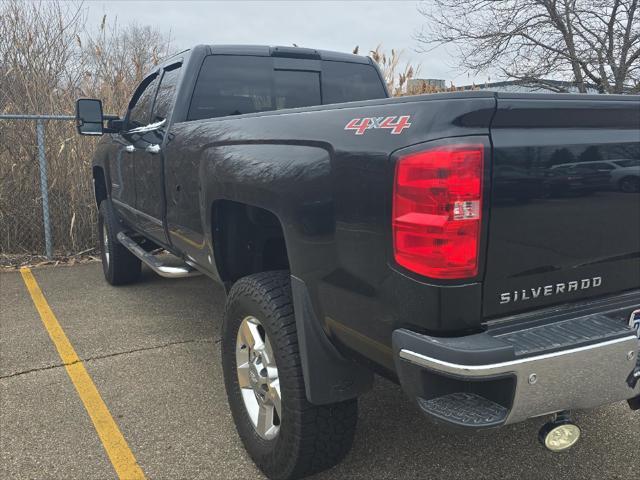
[47, 206]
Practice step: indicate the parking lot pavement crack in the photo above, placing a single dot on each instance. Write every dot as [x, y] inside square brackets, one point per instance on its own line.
[109, 355]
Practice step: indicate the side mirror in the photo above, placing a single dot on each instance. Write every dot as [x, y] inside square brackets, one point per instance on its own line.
[89, 116]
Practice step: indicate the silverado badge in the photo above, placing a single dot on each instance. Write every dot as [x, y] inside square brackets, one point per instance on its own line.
[549, 290]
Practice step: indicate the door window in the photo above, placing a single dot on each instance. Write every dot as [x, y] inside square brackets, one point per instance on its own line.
[142, 102]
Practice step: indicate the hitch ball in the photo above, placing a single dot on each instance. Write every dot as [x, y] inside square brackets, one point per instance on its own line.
[559, 434]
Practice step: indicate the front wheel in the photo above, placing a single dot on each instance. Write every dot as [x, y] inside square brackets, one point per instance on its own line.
[285, 435]
[119, 265]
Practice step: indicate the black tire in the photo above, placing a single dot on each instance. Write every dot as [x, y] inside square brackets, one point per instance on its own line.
[119, 265]
[629, 185]
[311, 438]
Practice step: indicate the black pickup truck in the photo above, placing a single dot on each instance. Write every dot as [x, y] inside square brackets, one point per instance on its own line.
[428, 239]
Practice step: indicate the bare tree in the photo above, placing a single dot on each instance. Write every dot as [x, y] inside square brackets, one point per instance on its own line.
[116, 59]
[587, 42]
[38, 54]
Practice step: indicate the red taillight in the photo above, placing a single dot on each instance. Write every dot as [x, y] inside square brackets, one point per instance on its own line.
[437, 210]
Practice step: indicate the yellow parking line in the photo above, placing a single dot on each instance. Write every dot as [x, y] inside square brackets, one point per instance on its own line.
[112, 439]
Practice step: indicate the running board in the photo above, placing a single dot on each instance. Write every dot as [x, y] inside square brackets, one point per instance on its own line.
[154, 263]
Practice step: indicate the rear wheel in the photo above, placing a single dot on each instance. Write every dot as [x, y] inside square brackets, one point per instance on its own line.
[285, 435]
[119, 265]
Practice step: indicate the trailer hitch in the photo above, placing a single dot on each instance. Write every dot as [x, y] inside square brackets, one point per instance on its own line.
[560, 433]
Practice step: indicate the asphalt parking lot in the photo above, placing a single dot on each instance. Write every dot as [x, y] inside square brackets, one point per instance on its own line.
[152, 350]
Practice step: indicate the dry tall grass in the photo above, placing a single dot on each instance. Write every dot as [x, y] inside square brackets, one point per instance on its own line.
[397, 73]
[48, 59]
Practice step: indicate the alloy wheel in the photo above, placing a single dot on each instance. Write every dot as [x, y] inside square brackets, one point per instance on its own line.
[258, 378]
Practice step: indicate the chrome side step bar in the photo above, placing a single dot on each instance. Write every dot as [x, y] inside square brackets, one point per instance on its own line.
[154, 262]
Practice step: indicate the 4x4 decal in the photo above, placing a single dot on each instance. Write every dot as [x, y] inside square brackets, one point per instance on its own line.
[394, 123]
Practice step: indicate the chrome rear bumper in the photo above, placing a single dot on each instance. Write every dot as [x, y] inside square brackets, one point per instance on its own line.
[522, 367]
[577, 378]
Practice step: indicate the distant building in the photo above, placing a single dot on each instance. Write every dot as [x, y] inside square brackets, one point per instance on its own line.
[425, 84]
[432, 85]
[520, 86]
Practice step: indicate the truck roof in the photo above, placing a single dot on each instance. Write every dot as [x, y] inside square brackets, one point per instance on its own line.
[282, 51]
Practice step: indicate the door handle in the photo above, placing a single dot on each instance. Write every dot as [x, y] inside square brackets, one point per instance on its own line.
[153, 148]
[129, 149]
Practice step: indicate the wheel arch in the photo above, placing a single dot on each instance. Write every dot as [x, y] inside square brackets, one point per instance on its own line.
[247, 239]
[290, 184]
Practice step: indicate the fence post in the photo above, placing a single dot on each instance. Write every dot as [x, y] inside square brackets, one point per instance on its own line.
[44, 188]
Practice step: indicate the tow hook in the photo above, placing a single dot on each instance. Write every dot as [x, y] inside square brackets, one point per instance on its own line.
[560, 433]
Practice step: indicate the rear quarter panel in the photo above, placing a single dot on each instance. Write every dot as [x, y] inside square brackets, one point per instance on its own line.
[331, 190]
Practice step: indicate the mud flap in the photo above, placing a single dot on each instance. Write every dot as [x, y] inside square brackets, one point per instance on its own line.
[328, 376]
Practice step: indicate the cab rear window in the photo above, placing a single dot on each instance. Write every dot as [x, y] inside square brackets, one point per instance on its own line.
[350, 82]
[240, 84]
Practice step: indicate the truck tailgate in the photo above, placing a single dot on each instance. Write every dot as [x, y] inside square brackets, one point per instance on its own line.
[563, 225]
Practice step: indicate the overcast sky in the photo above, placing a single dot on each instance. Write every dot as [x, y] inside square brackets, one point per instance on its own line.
[330, 25]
